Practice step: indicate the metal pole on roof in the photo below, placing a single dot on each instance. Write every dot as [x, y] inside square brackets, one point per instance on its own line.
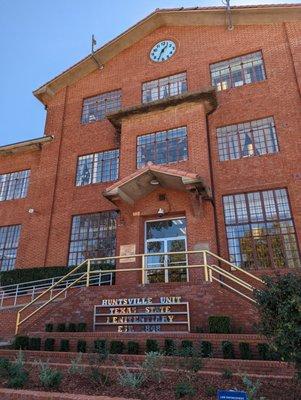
[228, 14]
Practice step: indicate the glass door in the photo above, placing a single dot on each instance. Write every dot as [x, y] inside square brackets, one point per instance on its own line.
[165, 236]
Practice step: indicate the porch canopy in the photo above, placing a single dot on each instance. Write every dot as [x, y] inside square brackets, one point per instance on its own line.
[147, 179]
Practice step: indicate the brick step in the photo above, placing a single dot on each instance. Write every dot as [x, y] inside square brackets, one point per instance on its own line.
[273, 369]
[215, 339]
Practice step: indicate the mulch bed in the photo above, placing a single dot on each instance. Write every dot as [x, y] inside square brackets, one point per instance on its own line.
[205, 384]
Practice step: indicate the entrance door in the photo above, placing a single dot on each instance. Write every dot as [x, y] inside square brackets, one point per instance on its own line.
[166, 236]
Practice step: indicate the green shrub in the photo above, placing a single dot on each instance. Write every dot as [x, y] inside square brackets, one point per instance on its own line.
[133, 348]
[169, 347]
[61, 327]
[186, 344]
[50, 378]
[206, 349]
[191, 359]
[153, 366]
[100, 346]
[228, 350]
[245, 351]
[98, 378]
[227, 374]
[219, 324]
[152, 345]
[263, 351]
[49, 327]
[4, 367]
[75, 365]
[21, 342]
[18, 381]
[81, 327]
[116, 347]
[64, 346]
[49, 344]
[210, 391]
[81, 346]
[34, 343]
[21, 275]
[132, 380]
[183, 389]
[17, 375]
[71, 327]
[251, 387]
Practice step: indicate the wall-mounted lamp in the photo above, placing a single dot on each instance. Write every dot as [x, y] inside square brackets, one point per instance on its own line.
[161, 212]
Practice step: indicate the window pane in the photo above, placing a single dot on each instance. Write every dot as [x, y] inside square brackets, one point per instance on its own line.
[238, 71]
[247, 139]
[9, 242]
[97, 107]
[98, 167]
[14, 185]
[162, 147]
[164, 87]
[260, 230]
[92, 236]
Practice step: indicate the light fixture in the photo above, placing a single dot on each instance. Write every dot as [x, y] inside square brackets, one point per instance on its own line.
[161, 212]
[154, 182]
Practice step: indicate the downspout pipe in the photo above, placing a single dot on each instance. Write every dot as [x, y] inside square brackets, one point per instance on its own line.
[212, 183]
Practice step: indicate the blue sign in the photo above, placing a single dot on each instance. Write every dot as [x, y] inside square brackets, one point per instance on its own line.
[231, 395]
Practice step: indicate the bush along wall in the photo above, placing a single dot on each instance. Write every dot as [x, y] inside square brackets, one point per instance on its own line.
[37, 273]
[219, 324]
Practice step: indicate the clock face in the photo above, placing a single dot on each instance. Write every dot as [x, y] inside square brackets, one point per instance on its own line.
[162, 51]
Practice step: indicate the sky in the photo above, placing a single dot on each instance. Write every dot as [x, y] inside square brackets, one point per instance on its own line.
[41, 38]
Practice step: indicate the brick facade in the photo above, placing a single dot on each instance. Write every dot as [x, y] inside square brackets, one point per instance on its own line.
[52, 192]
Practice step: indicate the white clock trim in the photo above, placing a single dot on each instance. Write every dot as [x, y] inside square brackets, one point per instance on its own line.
[163, 50]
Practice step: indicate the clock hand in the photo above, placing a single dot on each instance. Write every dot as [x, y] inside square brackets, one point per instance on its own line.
[162, 51]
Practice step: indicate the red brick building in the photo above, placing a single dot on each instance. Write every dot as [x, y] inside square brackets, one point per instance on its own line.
[183, 133]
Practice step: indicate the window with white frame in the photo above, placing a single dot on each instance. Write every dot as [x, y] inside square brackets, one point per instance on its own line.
[253, 138]
[14, 185]
[164, 87]
[9, 242]
[97, 167]
[162, 147]
[97, 107]
[238, 71]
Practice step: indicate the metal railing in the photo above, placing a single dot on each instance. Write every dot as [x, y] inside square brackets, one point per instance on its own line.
[236, 284]
[14, 295]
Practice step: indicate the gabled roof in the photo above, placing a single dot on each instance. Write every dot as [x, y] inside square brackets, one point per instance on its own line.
[141, 183]
[197, 16]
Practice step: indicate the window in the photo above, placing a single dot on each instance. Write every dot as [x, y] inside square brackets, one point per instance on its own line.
[9, 241]
[260, 230]
[247, 139]
[14, 185]
[162, 147]
[98, 167]
[92, 236]
[97, 107]
[164, 87]
[238, 71]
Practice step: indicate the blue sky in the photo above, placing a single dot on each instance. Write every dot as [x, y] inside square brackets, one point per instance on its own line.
[40, 38]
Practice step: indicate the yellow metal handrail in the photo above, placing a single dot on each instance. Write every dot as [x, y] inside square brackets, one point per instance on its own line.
[208, 272]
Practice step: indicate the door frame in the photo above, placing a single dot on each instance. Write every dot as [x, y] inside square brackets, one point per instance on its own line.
[165, 241]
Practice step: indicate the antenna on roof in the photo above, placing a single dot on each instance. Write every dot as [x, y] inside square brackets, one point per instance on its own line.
[93, 44]
[229, 14]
